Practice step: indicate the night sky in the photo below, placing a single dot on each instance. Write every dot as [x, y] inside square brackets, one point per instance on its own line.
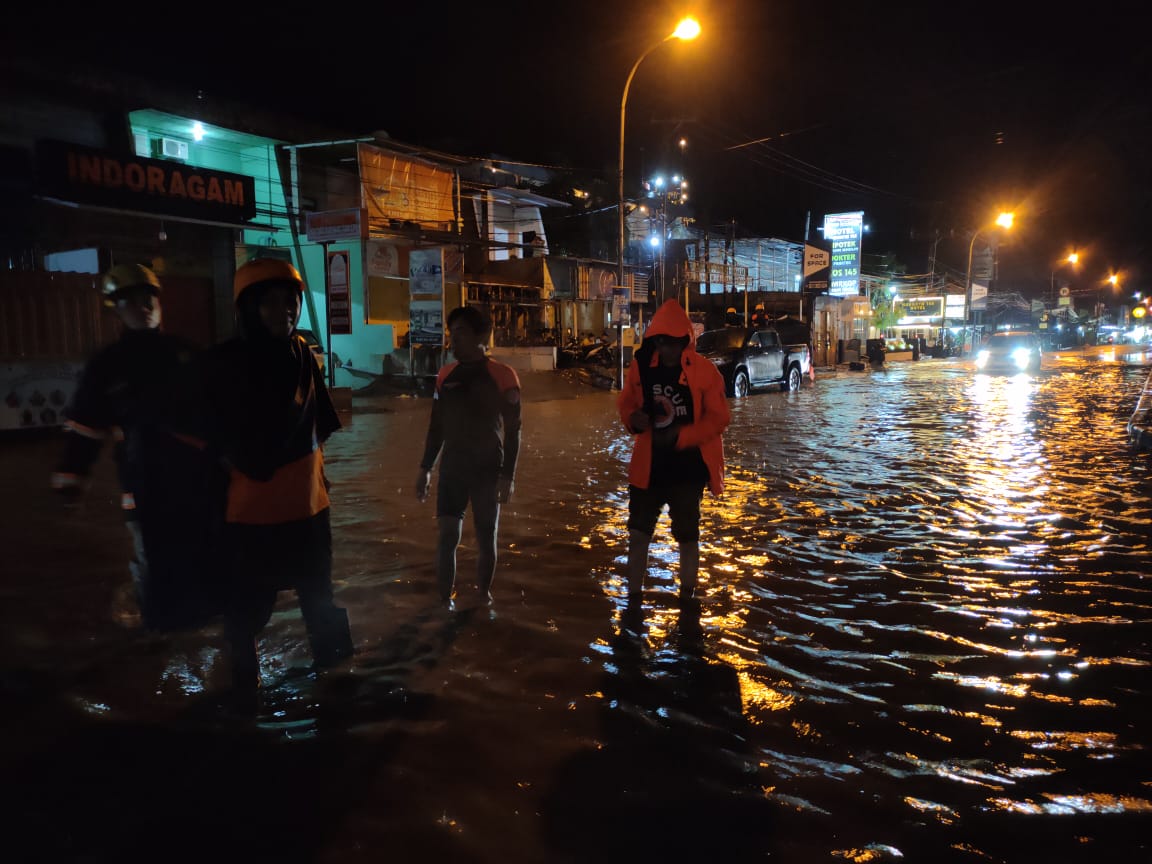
[928, 116]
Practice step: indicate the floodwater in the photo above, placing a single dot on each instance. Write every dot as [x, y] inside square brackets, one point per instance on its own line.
[923, 635]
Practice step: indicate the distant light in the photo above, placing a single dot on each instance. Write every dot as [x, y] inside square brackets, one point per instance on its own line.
[198, 131]
[1073, 258]
[1004, 220]
[654, 241]
[675, 178]
[659, 182]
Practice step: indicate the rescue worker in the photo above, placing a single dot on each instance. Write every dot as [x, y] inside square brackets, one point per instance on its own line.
[673, 402]
[759, 318]
[474, 431]
[267, 412]
[130, 392]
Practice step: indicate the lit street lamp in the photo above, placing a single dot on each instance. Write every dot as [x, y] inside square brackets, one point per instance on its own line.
[1004, 220]
[1073, 259]
[687, 29]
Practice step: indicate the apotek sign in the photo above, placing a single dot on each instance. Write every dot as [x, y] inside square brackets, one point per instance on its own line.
[844, 232]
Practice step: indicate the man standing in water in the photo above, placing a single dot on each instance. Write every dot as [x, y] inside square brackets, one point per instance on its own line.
[476, 423]
[673, 402]
[132, 392]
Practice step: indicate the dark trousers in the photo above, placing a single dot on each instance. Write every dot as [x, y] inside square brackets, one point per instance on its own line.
[266, 559]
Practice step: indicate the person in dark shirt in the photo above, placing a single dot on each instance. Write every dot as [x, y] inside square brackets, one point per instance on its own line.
[267, 412]
[475, 432]
[673, 402]
[131, 392]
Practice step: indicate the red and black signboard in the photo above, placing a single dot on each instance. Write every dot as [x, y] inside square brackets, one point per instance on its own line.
[72, 172]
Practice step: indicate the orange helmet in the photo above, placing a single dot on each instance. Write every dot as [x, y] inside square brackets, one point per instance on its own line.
[264, 270]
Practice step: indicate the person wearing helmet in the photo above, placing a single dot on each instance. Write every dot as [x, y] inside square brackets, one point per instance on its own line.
[131, 392]
[267, 412]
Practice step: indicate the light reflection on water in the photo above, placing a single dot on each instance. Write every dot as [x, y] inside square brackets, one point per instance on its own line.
[922, 635]
[938, 578]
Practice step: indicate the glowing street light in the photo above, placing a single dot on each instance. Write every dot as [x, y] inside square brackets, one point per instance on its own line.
[1073, 259]
[686, 29]
[1004, 220]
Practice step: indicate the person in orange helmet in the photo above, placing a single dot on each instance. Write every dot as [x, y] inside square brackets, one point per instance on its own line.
[267, 413]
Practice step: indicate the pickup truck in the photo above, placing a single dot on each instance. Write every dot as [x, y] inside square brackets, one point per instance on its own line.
[749, 358]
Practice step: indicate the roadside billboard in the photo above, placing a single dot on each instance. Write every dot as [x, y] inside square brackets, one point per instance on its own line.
[844, 232]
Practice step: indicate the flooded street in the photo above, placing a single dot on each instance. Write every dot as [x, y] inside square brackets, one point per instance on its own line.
[924, 635]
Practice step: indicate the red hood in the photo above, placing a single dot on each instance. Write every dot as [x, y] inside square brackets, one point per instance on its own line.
[671, 320]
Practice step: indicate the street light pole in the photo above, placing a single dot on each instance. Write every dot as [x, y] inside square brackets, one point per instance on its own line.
[1004, 220]
[686, 29]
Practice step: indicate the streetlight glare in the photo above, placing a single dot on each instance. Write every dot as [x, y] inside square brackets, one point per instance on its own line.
[1004, 220]
[688, 28]
[1074, 258]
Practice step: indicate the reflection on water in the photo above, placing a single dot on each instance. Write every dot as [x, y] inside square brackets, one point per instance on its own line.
[931, 586]
[922, 635]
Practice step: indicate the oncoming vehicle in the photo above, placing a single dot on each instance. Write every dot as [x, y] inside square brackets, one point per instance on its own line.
[1010, 352]
[754, 358]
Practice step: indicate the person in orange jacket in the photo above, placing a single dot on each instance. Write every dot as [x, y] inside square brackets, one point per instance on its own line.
[673, 401]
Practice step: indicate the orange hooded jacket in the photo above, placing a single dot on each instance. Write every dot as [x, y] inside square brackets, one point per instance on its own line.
[709, 402]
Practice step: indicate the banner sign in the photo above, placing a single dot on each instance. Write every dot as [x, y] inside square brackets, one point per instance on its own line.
[979, 296]
[815, 260]
[620, 308]
[426, 290]
[326, 226]
[339, 298]
[844, 232]
[84, 175]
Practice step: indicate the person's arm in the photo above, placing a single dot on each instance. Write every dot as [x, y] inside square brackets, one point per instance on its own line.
[511, 414]
[711, 418]
[433, 442]
[630, 402]
[87, 423]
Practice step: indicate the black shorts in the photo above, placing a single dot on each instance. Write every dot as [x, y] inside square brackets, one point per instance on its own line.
[455, 489]
[683, 500]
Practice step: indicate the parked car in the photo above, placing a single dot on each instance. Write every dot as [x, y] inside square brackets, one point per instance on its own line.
[750, 358]
[1010, 352]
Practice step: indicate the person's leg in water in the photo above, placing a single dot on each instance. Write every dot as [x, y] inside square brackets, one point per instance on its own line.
[451, 529]
[249, 609]
[451, 502]
[644, 508]
[250, 602]
[329, 635]
[486, 522]
[684, 510]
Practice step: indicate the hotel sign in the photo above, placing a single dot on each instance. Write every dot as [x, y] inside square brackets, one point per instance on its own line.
[72, 172]
[844, 233]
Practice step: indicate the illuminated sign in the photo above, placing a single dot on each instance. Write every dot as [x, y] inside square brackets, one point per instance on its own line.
[83, 175]
[844, 233]
[920, 307]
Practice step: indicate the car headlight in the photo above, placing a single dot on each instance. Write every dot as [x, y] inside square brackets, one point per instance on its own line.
[981, 359]
[1023, 357]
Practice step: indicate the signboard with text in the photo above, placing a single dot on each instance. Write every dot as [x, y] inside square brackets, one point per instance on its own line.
[979, 296]
[844, 233]
[815, 260]
[339, 297]
[327, 225]
[426, 290]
